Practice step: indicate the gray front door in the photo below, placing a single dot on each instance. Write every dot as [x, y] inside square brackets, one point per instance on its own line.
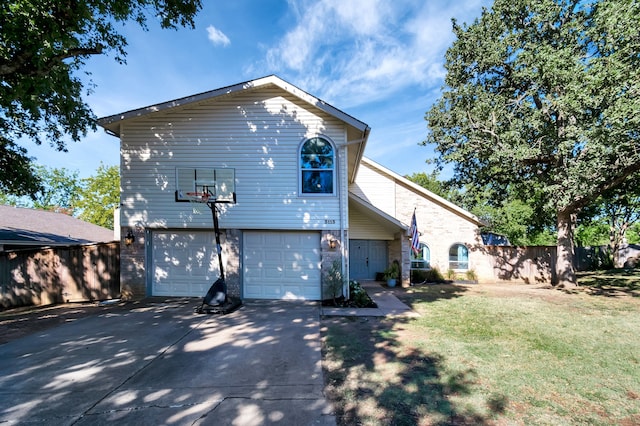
[366, 258]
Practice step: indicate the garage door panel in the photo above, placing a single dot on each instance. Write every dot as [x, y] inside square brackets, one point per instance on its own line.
[272, 256]
[185, 263]
[272, 292]
[282, 265]
[272, 273]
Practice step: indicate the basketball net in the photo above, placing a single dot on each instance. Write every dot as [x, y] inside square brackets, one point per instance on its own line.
[198, 201]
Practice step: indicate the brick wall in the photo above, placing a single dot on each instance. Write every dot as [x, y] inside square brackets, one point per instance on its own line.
[440, 227]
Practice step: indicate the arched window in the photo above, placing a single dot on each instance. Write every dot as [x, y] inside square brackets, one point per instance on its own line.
[317, 167]
[458, 257]
[422, 260]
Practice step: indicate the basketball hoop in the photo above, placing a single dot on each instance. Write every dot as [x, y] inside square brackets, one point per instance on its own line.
[197, 199]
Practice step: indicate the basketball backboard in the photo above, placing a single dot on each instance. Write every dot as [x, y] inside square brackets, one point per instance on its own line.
[218, 183]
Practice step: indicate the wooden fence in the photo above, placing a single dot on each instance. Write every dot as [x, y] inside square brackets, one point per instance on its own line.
[60, 274]
[597, 257]
[536, 264]
[532, 264]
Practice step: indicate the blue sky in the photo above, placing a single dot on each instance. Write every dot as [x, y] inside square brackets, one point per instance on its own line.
[380, 61]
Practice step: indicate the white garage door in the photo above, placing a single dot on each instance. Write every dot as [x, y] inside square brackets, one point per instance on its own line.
[184, 263]
[281, 265]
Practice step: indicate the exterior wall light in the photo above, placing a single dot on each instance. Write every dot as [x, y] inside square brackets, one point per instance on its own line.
[129, 239]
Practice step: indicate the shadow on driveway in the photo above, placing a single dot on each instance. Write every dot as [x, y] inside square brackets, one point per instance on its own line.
[159, 363]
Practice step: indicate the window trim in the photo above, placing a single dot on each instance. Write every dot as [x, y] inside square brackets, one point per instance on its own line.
[334, 169]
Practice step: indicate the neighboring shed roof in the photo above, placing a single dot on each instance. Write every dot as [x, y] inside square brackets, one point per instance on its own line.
[357, 131]
[29, 227]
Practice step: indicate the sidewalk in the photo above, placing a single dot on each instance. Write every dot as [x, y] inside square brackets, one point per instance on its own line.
[388, 304]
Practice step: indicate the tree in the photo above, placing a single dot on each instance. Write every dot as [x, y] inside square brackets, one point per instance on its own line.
[633, 234]
[92, 199]
[540, 98]
[59, 192]
[615, 212]
[99, 196]
[432, 183]
[43, 44]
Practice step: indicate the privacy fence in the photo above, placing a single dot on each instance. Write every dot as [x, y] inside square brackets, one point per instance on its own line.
[60, 274]
[536, 264]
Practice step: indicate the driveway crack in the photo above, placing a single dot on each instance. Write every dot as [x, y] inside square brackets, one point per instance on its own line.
[138, 371]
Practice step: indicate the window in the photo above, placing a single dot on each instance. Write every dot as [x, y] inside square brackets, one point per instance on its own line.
[422, 260]
[317, 166]
[458, 257]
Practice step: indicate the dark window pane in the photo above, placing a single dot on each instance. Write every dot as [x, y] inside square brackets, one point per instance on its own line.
[317, 146]
[316, 182]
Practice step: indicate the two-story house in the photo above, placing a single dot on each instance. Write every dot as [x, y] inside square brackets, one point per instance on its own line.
[304, 197]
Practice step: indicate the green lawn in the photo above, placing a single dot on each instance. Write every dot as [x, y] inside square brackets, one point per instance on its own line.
[489, 354]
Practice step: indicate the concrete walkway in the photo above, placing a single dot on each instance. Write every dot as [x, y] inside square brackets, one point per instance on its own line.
[388, 304]
[161, 364]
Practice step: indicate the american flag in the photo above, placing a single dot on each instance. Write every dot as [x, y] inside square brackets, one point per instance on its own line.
[415, 235]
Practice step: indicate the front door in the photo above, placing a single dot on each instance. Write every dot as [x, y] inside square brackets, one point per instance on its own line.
[366, 258]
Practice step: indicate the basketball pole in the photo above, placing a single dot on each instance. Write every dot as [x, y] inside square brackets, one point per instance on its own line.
[216, 230]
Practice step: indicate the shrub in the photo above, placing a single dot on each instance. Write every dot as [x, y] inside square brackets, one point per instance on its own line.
[426, 276]
[451, 274]
[334, 280]
[358, 295]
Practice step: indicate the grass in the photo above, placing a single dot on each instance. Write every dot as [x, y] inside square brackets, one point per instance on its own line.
[490, 354]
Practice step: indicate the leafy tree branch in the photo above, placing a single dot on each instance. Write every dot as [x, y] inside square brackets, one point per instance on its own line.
[43, 45]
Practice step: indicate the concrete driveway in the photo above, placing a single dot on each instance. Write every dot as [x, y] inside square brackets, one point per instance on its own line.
[161, 364]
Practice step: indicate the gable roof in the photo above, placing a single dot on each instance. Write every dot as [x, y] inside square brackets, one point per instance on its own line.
[357, 131]
[423, 192]
[29, 227]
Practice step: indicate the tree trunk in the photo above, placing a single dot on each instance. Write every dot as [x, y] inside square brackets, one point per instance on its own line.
[617, 238]
[565, 272]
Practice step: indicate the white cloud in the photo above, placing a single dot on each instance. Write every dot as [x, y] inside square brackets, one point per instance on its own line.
[355, 52]
[217, 37]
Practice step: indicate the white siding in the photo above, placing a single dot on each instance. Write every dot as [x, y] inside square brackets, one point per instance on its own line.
[375, 188]
[257, 133]
[362, 227]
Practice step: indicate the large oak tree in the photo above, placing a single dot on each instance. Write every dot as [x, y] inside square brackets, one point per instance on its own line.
[43, 45]
[542, 99]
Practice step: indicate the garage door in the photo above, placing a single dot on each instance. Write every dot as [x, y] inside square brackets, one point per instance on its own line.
[281, 265]
[184, 263]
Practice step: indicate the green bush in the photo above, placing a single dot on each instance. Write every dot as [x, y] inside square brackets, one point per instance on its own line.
[426, 276]
[333, 281]
[358, 295]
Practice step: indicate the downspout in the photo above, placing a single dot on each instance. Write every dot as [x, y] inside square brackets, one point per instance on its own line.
[343, 213]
